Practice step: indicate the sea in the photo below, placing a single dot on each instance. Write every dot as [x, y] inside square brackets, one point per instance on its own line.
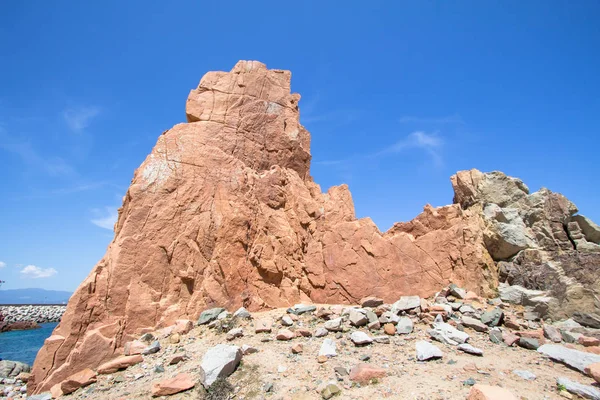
[24, 345]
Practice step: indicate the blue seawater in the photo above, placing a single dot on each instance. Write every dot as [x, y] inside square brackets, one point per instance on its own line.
[24, 345]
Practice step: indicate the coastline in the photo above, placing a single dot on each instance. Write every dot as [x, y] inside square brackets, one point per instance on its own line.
[38, 313]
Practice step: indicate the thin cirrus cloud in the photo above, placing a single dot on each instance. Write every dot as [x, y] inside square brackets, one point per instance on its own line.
[79, 118]
[2, 264]
[430, 143]
[34, 272]
[106, 218]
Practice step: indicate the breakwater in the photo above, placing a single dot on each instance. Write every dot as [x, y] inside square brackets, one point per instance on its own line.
[40, 313]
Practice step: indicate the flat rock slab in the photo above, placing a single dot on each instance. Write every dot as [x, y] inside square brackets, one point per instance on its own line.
[585, 391]
[119, 364]
[406, 303]
[81, 379]
[467, 348]
[448, 334]
[360, 338]
[404, 326]
[427, 351]
[573, 358]
[527, 375]
[179, 383]
[220, 361]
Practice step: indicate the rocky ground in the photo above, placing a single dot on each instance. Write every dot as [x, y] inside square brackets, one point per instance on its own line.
[403, 350]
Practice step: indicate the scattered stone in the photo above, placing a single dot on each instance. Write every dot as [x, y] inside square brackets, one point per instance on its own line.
[72, 383]
[234, 333]
[485, 392]
[357, 318]
[371, 301]
[509, 338]
[341, 371]
[153, 348]
[492, 318]
[527, 375]
[404, 326]
[177, 358]
[382, 339]
[457, 292]
[447, 334]
[119, 364]
[389, 329]
[570, 337]
[334, 325]
[175, 338]
[134, 347]
[587, 319]
[147, 337]
[209, 315]
[469, 382]
[427, 351]
[573, 358]
[247, 349]
[224, 315]
[268, 387]
[242, 313]
[406, 303]
[159, 369]
[167, 387]
[373, 326]
[552, 333]
[593, 370]
[12, 368]
[322, 359]
[320, 332]
[496, 336]
[297, 348]
[285, 334]
[263, 326]
[587, 341]
[467, 348]
[528, 343]
[300, 309]
[360, 338]
[366, 373]
[303, 332]
[474, 323]
[585, 391]
[329, 391]
[220, 361]
[328, 348]
[286, 321]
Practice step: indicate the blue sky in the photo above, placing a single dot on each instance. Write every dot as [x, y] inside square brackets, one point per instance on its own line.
[397, 96]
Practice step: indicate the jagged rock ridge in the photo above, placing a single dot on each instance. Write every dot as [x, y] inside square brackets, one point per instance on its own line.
[224, 212]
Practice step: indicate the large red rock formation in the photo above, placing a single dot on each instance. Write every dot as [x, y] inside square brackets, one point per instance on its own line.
[224, 212]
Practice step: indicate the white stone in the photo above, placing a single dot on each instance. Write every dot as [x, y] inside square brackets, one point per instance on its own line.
[220, 361]
[328, 348]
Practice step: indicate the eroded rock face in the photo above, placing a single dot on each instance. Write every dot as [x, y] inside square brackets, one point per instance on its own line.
[224, 213]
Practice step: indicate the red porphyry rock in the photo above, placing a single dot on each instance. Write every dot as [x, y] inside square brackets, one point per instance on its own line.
[588, 341]
[134, 347]
[364, 373]
[485, 392]
[253, 229]
[119, 363]
[167, 387]
[509, 338]
[593, 370]
[72, 383]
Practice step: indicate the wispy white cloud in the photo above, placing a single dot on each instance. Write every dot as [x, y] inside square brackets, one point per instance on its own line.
[431, 143]
[79, 118]
[450, 119]
[107, 218]
[33, 272]
[2, 264]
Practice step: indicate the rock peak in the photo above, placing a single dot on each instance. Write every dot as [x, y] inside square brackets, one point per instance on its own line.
[223, 213]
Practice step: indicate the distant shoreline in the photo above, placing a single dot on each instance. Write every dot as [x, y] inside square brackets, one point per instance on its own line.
[39, 313]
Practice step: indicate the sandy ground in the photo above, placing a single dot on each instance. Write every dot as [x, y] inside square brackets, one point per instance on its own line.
[300, 376]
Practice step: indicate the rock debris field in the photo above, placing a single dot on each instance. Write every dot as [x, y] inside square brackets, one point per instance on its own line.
[453, 346]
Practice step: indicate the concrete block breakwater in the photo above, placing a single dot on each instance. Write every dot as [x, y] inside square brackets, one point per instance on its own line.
[33, 313]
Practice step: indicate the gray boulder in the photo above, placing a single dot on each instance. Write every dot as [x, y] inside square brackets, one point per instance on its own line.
[404, 326]
[406, 303]
[10, 369]
[209, 315]
[357, 318]
[328, 348]
[448, 334]
[219, 362]
[427, 351]
[360, 338]
[467, 348]
[573, 358]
